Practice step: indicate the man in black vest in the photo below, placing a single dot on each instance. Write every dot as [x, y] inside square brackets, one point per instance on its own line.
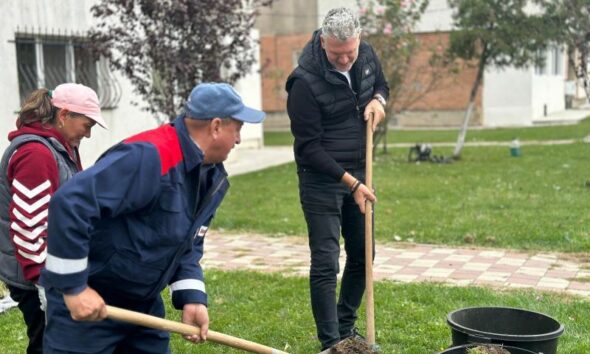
[336, 87]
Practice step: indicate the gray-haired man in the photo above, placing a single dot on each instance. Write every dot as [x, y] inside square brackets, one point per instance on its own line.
[337, 85]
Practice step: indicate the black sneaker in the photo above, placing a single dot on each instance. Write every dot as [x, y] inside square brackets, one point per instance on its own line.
[353, 333]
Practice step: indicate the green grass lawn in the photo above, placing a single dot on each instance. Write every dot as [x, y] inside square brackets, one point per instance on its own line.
[559, 132]
[410, 318]
[535, 202]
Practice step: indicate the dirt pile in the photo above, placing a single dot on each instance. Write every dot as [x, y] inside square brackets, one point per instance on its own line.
[351, 346]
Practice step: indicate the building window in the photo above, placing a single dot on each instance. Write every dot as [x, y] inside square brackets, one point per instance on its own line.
[85, 67]
[552, 62]
[27, 67]
[45, 61]
[557, 56]
[542, 68]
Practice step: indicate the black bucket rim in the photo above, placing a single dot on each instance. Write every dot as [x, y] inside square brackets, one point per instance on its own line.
[473, 345]
[502, 336]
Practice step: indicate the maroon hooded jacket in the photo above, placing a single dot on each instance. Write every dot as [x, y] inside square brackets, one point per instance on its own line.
[33, 177]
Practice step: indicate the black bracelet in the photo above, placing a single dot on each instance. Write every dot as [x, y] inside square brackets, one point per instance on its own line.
[356, 186]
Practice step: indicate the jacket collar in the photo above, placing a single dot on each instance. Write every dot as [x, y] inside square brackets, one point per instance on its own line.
[313, 59]
[52, 135]
[193, 155]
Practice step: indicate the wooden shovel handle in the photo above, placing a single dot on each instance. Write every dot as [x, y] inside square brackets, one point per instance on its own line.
[369, 235]
[119, 314]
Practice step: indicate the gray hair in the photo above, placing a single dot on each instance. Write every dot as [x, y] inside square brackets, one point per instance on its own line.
[341, 23]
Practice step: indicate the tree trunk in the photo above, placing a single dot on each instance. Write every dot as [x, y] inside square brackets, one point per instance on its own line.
[463, 131]
[582, 73]
[470, 106]
[380, 135]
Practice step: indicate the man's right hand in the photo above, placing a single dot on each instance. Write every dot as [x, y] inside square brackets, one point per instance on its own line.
[86, 306]
[361, 195]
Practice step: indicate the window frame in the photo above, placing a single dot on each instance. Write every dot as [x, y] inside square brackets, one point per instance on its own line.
[109, 93]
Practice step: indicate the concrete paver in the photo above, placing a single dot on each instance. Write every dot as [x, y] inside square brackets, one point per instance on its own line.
[408, 263]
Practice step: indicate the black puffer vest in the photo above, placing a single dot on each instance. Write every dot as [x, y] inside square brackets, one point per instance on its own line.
[10, 270]
[342, 109]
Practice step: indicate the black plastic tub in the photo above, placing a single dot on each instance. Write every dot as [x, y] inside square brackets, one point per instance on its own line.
[504, 325]
[462, 349]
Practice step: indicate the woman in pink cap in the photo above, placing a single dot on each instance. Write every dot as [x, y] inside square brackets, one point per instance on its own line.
[42, 155]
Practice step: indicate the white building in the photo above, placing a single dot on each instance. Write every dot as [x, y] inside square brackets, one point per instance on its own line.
[510, 96]
[42, 46]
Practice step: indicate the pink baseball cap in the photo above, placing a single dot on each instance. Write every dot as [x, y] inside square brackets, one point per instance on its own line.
[80, 99]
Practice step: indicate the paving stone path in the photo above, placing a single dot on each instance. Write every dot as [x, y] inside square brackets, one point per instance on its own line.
[411, 263]
[405, 262]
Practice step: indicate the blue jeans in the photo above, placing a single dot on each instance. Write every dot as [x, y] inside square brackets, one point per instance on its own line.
[330, 210]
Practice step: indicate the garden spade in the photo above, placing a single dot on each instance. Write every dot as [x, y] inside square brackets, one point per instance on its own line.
[119, 314]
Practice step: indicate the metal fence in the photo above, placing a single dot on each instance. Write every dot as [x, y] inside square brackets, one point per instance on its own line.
[47, 59]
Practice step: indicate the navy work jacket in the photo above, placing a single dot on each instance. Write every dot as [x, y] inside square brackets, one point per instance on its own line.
[135, 221]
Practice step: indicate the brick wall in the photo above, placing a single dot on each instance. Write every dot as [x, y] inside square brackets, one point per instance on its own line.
[441, 106]
[277, 60]
[452, 91]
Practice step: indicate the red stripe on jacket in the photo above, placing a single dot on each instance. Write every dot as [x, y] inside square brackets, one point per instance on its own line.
[166, 142]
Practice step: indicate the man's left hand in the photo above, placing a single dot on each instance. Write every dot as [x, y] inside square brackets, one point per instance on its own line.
[196, 315]
[376, 108]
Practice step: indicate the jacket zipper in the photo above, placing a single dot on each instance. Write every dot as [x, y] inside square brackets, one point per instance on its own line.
[359, 119]
[189, 241]
[210, 195]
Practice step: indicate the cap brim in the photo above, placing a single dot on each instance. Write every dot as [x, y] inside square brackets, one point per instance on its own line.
[98, 119]
[249, 115]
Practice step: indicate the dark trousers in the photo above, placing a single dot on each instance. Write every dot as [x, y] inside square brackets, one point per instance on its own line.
[63, 335]
[30, 306]
[330, 210]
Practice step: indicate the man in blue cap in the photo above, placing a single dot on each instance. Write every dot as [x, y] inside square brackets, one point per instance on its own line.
[134, 223]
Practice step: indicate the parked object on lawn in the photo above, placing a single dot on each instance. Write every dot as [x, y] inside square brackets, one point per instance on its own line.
[423, 153]
[515, 327]
[515, 148]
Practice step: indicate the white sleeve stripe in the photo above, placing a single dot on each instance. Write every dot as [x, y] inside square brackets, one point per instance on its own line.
[31, 235]
[30, 193]
[202, 231]
[29, 208]
[188, 284]
[30, 222]
[33, 247]
[35, 258]
[65, 265]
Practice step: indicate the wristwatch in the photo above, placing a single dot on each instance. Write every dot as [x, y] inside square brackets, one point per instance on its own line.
[381, 99]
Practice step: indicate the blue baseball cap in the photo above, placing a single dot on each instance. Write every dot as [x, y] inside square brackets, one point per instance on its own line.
[211, 100]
